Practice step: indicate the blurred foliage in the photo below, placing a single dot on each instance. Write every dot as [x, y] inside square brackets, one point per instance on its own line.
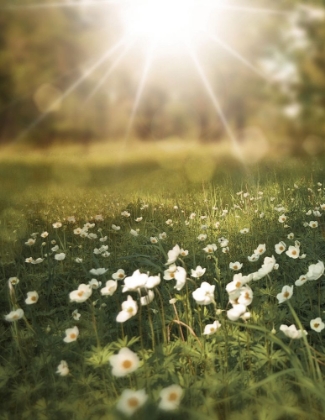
[52, 52]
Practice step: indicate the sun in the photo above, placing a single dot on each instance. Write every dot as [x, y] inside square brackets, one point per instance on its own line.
[167, 22]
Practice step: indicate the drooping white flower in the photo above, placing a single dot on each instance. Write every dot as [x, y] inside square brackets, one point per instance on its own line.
[292, 331]
[180, 277]
[204, 295]
[32, 297]
[76, 315]
[198, 272]
[153, 281]
[173, 254]
[14, 315]
[13, 281]
[130, 401]
[63, 368]
[71, 334]
[267, 266]
[302, 280]
[129, 309]
[285, 294]
[211, 328]
[123, 363]
[170, 397]
[145, 300]
[80, 295]
[315, 271]
[317, 324]
[236, 312]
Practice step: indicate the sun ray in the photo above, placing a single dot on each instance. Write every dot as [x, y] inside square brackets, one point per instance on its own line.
[74, 86]
[215, 103]
[61, 4]
[140, 89]
[259, 10]
[110, 71]
[239, 57]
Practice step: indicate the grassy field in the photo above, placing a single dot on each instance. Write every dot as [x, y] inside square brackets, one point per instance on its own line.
[159, 282]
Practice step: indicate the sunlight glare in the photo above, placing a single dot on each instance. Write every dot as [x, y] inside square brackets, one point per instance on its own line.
[167, 21]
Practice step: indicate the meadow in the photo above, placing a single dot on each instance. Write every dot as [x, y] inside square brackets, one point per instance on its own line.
[161, 282]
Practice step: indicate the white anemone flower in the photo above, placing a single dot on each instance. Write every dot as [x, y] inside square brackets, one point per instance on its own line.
[80, 295]
[280, 247]
[238, 282]
[246, 296]
[317, 324]
[211, 328]
[180, 277]
[236, 312]
[210, 248]
[71, 334]
[129, 309]
[119, 275]
[32, 297]
[260, 249]
[198, 272]
[292, 331]
[94, 283]
[153, 281]
[293, 251]
[204, 295]
[130, 401]
[14, 315]
[253, 257]
[285, 294]
[135, 282]
[76, 315]
[267, 266]
[145, 300]
[170, 397]
[109, 289]
[59, 257]
[315, 271]
[123, 363]
[302, 280]
[235, 266]
[173, 254]
[63, 368]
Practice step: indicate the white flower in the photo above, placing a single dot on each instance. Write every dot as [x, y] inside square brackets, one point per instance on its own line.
[317, 324]
[59, 257]
[103, 239]
[211, 328]
[293, 251]
[125, 214]
[292, 331]
[138, 219]
[130, 401]
[153, 281]
[71, 334]
[135, 282]
[183, 252]
[253, 258]
[202, 237]
[162, 235]
[71, 219]
[313, 224]
[153, 239]
[123, 363]
[92, 236]
[180, 277]
[63, 369]
[302, 280]
[169, 222]
[83, 292]
[315, 271]
[260, 249]
[32, 297]
[55, 248]
[267, 267]
[76, 315]
[78, 260]
[235, 266]
[245, 296]
[204, 295]
[133, 232]
[98, 271]
[119, 274]
[30, 242]
[282, 218]
[170, 397]
[14, 315]
[193, 215]
[57, 225]
[173, 254]
[44, 234]
[224, 243]
[99, 218]
[94, 283]
[285, 294]
[290, 235]
[110, 288]
[210, 248]
[145, 300]
[13, 280]
[129, 309]
[116, 228]
[236, 312]
[280, 247]
[244, 231]
[198, 272]
[237, 283]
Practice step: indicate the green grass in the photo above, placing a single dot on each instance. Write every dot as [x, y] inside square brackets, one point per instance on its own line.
[247, 369]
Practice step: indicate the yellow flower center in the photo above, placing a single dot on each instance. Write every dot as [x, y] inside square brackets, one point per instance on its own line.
[172, 396]
[286, 294]
[133, 402]
[238, 284]
[316, 325]
[127, 364]
[80, 293]
[73, 336]
[33, 298]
